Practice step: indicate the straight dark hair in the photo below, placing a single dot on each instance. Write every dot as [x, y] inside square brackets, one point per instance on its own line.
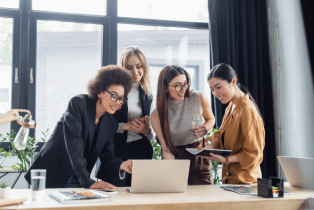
[166, 75]
[226, 72]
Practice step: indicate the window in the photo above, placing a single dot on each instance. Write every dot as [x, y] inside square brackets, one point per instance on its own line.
[162, 46]
[10, 4]
[6, 47]
[94, 7]
[50, 56]
[68, 55]
[192, 11]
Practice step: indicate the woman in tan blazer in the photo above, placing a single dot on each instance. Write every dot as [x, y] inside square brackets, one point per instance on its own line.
[242, 129]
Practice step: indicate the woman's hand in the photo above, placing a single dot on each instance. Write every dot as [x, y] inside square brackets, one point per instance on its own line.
[127, 166]
[207, 146]
[200, 131]
[215, 157]
[140, 125]
[103, 185]
[126, 126]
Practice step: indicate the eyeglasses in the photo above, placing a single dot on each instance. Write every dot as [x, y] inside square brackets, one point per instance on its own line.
[114, 97]
[178, 87]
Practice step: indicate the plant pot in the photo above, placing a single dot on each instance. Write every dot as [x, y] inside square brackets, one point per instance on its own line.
[5, 192]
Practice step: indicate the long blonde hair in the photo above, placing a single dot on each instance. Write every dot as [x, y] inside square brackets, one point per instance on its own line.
[135, 50]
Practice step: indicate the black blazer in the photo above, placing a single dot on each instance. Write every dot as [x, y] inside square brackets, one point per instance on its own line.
[72, 147]
[120, 139]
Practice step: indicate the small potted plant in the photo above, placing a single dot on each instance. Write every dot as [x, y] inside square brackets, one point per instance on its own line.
[4, 190]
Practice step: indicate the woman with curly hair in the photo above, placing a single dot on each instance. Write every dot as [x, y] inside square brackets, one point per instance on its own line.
[85, 133]
[132, 139]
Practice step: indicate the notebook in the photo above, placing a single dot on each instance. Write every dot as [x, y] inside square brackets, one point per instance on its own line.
[206, 152]
[152, 176]
[85, 196]
[299, 171]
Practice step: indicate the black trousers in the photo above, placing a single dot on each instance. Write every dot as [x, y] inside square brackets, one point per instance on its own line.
[136, 151]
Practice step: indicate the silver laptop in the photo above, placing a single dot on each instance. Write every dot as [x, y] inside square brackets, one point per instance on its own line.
[299, 171]
[150, 176]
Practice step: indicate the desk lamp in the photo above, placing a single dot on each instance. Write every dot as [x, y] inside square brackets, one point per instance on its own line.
[20, 140]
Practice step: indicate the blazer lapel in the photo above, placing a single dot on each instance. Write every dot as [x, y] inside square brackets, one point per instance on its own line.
[91, 118]
[226, 119]
[236, 109]
[125, 112]
[225, 124]
[145, 102]
[103, 133]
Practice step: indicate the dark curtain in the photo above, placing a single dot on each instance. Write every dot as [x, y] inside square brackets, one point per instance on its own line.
[308, 17]
[239, 37]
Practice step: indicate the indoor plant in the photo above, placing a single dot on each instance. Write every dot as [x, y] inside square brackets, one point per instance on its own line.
[156, 149]
[4, 190]
[26, 156]
[3, 154]
[214, 163]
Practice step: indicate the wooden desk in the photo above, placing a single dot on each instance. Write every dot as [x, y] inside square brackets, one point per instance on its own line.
[196, 197]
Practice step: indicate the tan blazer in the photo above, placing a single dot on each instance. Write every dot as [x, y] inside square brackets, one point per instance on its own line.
[244, 134]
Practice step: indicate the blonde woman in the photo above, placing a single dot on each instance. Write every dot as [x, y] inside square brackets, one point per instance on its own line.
[132, 139]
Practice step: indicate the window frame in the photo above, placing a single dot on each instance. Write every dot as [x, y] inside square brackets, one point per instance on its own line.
[15, 14]
[24, 45]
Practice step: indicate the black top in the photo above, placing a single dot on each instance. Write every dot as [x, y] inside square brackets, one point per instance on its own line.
[120, 139]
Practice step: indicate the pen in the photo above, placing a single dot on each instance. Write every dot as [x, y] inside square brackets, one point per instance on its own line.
[203, 142]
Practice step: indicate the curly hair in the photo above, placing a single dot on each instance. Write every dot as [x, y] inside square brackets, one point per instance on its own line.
[135, 50]
[108, 76]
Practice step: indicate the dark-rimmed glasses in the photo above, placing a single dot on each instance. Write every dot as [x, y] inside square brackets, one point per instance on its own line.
[114, 97]
[178, 87]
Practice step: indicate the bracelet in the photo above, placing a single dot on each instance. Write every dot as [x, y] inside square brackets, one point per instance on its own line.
[226, 160]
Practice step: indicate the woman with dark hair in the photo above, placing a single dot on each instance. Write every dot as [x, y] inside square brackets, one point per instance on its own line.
[85, 132]
[132, 139]
[171, 121]
[242, 129]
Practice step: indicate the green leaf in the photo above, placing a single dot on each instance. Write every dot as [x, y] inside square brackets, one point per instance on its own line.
[14, 167]
[6, 154]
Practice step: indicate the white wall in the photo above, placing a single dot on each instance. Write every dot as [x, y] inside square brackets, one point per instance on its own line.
[292, 79]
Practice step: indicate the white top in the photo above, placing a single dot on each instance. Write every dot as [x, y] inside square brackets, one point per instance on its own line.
[134, 110]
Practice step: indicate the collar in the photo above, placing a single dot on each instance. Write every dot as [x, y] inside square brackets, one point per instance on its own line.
[244, 100]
